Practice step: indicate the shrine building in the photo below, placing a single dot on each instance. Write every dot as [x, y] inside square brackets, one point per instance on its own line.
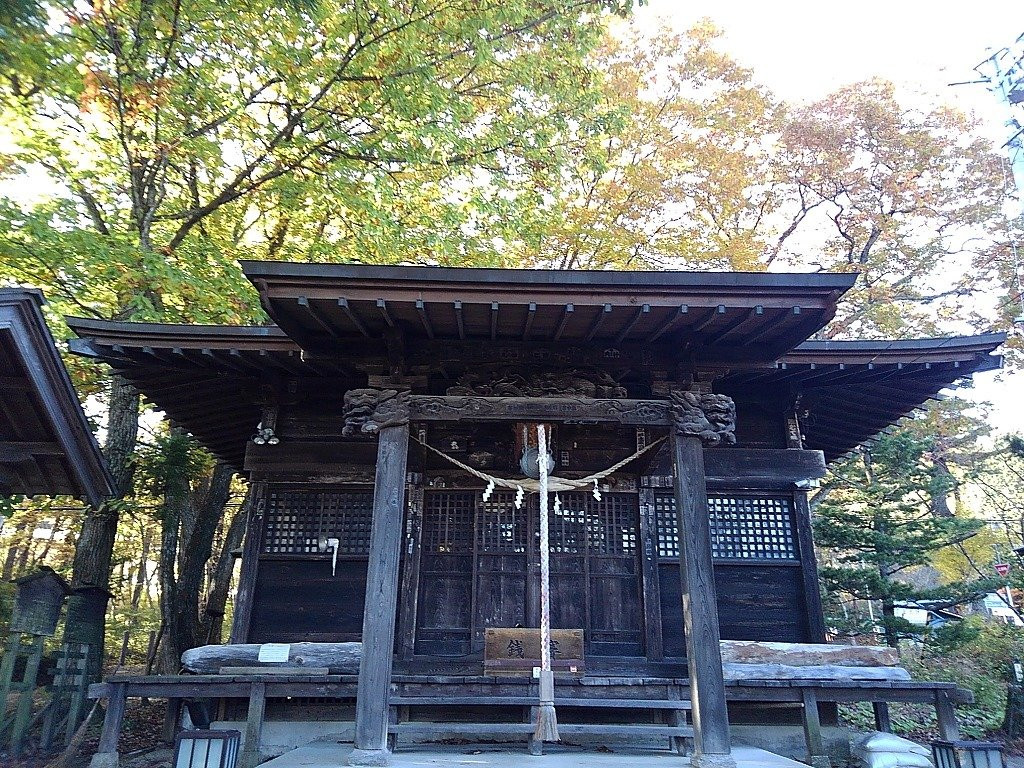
[688, 419]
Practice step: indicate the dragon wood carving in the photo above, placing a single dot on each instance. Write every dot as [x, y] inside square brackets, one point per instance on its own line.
[710, 417]
[510, 383]
[368, 411]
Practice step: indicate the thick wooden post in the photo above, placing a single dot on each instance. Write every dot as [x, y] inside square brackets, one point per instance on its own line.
[945, 713]
[371, 747]
[700, 418]
[700, 606]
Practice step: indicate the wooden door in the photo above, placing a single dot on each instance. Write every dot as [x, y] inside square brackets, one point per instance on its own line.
[479, 569]
[445, 602]
[595, 571]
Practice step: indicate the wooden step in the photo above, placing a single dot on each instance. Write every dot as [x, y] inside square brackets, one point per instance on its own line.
[528, 701]
[640, 729]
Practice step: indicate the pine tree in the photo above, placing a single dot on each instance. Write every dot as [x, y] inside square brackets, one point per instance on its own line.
[879, 521]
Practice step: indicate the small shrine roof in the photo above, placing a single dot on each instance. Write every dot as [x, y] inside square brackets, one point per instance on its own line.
[46, 444]
[852, 390]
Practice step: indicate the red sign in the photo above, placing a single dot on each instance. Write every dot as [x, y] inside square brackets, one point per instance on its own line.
[1002, 569]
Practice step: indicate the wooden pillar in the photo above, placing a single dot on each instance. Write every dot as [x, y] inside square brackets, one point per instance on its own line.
[883, 722]
[254, 725]
[700, 418]
[809, 568]
[371, 747]
[653, 639]
[411, 573]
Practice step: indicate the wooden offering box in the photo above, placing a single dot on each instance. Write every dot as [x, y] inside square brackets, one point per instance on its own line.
[517, 650]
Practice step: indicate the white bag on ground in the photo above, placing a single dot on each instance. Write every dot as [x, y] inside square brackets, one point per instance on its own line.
[887, 742]
[894, 760]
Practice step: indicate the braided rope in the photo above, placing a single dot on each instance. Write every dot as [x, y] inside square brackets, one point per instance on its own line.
[553, 483]
[545, 565]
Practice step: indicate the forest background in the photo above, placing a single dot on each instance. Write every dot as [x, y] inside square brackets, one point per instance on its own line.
[145, 145]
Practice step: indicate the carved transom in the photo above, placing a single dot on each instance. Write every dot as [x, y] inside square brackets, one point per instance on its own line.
[576, 382]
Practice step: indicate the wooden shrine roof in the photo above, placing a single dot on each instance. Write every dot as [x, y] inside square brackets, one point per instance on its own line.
[716, 316]
[208, 377]
[46, 444]
[852, 390]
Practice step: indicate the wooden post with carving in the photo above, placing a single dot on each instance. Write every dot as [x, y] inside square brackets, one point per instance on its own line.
[385, 413]
[699, 419]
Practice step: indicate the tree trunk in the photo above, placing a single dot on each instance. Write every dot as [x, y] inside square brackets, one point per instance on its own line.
[945, 482]
[95, 546]
[41, 559]
[889, 623]
[176, 498]
[141, 577]
[180, 594]
[220, 581]
[12, 553]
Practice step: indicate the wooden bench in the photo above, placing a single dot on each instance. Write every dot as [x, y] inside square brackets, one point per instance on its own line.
[409, 691]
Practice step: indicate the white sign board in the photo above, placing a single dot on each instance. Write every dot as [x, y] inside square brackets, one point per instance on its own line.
[274, 651]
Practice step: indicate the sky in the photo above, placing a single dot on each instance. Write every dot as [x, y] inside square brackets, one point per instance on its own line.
[804, 50]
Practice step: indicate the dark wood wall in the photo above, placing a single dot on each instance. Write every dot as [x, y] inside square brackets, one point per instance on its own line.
[475, 563]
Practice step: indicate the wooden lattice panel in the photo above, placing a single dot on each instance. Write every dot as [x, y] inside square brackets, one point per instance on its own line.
[743, 527]
[749, 527]
[500, 527]
[448, 521]
[296, 519]
[601, 527]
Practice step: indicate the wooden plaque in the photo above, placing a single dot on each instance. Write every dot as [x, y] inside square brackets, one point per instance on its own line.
[517, 650]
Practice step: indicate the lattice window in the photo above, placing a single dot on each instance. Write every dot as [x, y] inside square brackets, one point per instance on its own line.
[568, 527]
[751, 528]
[448, 521]
[667, 524]
[295, 520]
[500, 527]
[742, 527]
[605, 527]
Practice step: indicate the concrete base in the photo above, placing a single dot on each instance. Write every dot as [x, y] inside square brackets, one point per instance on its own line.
[105, 760]
[713, 761]
[331, 754]
[789, 740]
[372, 757]
[280, 736]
